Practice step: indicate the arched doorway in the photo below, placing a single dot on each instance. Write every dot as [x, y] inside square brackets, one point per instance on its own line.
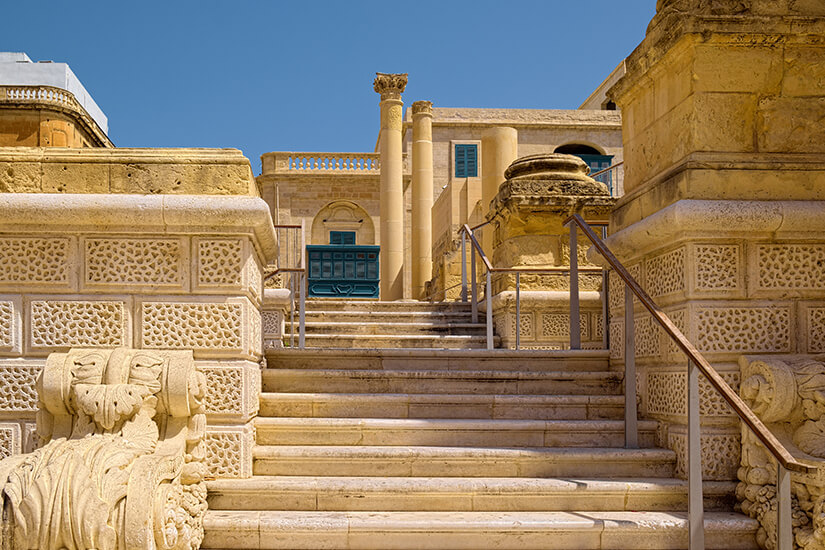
[342, 259]
[595, 159]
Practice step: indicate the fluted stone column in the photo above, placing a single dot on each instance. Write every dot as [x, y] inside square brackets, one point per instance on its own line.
[390, 87]
[499, 148]
[422, 196]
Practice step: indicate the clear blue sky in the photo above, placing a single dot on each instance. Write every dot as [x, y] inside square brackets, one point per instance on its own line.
[297, 76]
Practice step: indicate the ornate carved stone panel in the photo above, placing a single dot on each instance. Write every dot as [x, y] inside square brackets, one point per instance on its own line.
[790, 266]
[156, 262]
[816, 329]
[743, 329]
[229, 327]
[229, 451]
[17, 386]
[9, 439]
[57, 323]
[716, 267]
[665, 273]
[35, 261]
[220, 263]
[720, 453]
[10, 324]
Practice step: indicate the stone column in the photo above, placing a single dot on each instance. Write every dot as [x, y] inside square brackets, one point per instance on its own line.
[499, 148]
[422, 196]
[390, 87]
[724, 172]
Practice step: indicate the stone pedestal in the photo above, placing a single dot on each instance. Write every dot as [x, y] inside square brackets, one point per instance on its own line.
[725, 182]
[390, 86]
[106, 266]
[422, 196]
[539, 193]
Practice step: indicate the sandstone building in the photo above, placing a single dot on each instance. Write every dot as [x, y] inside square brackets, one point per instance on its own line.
[162, 385]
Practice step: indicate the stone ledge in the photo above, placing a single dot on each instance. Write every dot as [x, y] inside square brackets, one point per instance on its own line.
[134, 214]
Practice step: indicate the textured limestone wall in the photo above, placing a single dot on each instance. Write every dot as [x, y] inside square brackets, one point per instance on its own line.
[722, 218]
[141, 271]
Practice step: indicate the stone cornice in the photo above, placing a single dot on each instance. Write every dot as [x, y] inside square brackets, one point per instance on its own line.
[691, 219]
[559, 118]
[39, 213]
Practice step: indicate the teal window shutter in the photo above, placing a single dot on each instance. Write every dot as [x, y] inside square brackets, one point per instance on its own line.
[342, 237]
[466, 161]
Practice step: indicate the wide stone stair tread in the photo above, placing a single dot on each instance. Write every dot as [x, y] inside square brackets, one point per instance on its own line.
[462, 494]
[376, 306]
[441, 381]
[372, 341]
[424, 359]
[390, 327]
[471, 530]
[444, 461]
[469, 406]
[451, 432]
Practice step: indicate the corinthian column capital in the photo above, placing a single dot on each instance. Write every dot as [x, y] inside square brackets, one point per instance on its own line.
[390, 86]
[422, 108]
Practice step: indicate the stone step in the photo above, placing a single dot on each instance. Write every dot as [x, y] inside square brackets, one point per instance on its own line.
[442, 381]
[388, 327]
[405, 405]
[395, 341]
[462, 494]
[378, 306]
[448, 432]
[392, 316]
[471, 530]
[452, 360]
[406, 461]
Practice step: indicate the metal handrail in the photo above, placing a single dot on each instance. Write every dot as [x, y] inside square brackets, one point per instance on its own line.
[467, 231]
[608, 169]
[299, 251]
[697, 363]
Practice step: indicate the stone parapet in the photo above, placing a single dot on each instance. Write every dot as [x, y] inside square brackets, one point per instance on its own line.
[153, 272]
[126, 171]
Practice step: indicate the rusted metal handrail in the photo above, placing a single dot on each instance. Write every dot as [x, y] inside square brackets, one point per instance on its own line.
[698, 364]
[298, 253]
[736, 403]
[608, 169]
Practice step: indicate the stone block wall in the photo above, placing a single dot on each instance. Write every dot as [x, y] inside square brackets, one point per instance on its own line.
[150, 272]
[752, 287]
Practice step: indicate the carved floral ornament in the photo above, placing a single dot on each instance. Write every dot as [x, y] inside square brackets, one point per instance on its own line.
[788, 394]
[422, 108]
[121, 457]
[390, 85]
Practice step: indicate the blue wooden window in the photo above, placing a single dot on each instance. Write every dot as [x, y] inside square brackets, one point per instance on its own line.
[342, 237]
[466, 161]
[598, 163]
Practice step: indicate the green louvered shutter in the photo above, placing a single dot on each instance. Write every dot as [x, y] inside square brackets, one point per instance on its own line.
[460, 161]
[472, 161]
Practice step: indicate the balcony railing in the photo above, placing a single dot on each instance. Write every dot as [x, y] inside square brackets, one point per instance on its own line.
[289, 162]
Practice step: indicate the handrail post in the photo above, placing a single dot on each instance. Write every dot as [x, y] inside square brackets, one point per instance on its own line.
[631, 431]
[605, 301]
[474, 285]
[575, 327]
[302, 283]
[463, 266]
[784, 528]
[488, 298]
[696, 513]
[292, 310]
[518, 309]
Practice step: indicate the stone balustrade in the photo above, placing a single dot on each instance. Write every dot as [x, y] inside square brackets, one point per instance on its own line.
[50, 96]
[288, 162]
[38, 94]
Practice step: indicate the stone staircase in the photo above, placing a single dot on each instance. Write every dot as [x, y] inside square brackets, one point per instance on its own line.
[396, 448]
[367, 324]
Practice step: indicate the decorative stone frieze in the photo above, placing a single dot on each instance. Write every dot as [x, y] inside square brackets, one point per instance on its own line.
[233, 389]
[120, 458]
[17, 385]
[786, 392]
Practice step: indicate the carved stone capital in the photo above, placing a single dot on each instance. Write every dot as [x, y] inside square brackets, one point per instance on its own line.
[422, 108]
[390, 85]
